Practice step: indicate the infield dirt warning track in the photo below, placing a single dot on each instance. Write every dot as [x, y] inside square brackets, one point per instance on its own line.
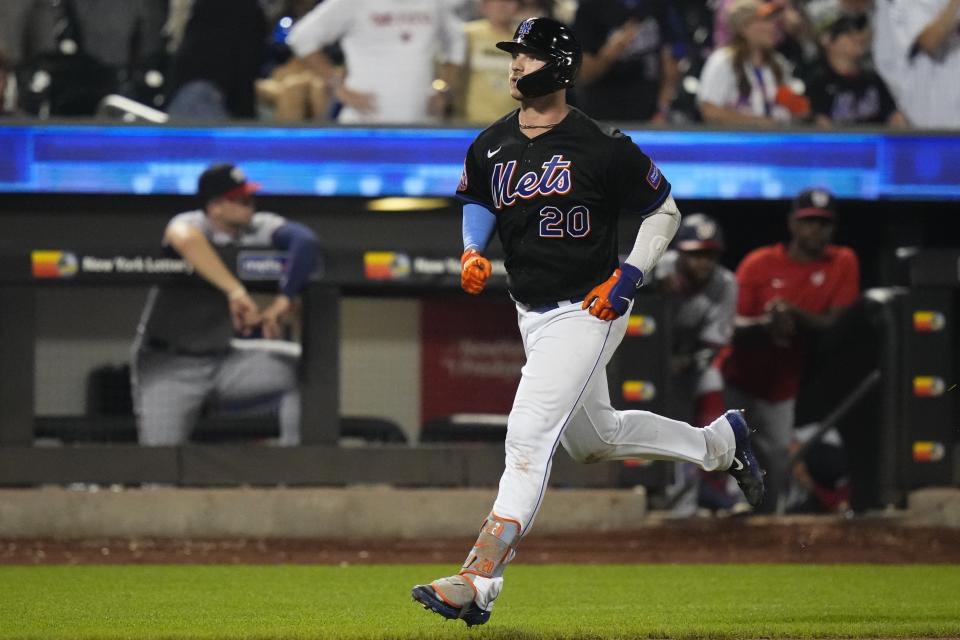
[798, 539]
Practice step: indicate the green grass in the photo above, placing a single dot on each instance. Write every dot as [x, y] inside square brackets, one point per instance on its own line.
[582, 601]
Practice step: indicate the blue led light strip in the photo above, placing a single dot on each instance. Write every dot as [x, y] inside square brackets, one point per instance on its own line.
[427, 162]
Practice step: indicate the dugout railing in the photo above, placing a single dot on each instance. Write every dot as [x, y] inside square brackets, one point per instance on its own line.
[901, 433]
[26, 459]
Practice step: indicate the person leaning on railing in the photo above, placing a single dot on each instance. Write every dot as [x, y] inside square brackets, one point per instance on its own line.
[185, 356]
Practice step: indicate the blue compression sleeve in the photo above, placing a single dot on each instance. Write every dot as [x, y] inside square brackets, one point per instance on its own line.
[478, 224]
[303, 250]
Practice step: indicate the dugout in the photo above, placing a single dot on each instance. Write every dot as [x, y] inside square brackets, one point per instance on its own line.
[368, 329]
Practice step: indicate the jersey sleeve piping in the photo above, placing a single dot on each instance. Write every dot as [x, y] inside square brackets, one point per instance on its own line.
[468, 200]
[653, 206]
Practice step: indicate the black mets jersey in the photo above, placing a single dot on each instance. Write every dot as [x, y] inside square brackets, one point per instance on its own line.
[557, 199]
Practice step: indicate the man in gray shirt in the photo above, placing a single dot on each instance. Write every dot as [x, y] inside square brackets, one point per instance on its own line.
[184, 357]
[701, 297]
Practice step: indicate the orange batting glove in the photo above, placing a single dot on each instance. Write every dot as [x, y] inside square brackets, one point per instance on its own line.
[611, 299]
[474, 271]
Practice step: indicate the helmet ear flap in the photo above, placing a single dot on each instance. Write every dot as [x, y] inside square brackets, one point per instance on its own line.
[544, 80]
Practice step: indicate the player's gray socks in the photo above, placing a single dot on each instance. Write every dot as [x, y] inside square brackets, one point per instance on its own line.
[480, 578]
[495, 547]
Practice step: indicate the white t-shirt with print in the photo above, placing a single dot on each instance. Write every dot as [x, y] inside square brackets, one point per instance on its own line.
[390, 47]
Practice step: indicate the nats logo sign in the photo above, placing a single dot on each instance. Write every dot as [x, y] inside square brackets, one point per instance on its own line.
[554, 179]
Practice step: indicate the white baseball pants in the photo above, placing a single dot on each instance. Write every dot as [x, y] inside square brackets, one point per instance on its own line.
[563, 397]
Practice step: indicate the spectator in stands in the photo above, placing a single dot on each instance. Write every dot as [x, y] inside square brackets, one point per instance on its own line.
[918, 53]
[820, 12]
[701, 298]
[71, 53]
[795, 36]
[184, 356]
[218, 61]
[841, 91]
[630, 52]
[749, 83]
[390, 49]
[788, 295]
[292, 90]
[487, 91]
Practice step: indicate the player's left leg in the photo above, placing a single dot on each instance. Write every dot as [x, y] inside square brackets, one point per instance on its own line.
[258, 380]
[469, 595]
[169, 392]
[599, 432]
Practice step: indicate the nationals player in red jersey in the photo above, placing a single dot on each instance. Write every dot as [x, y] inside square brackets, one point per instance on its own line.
[787, 294]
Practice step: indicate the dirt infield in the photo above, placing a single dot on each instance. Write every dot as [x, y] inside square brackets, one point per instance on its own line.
[746, 540]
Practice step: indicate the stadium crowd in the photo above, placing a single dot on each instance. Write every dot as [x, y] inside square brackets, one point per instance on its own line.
[746, 63]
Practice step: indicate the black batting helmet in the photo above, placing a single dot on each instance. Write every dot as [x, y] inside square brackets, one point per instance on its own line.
[553, 40]
[699, 232]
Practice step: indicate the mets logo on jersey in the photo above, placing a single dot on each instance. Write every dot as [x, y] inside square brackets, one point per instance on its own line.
[555, 179]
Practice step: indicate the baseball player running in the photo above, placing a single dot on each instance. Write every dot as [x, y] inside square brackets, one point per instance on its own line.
[553, 183]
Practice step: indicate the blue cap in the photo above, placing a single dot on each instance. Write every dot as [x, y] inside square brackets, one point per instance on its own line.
[699, 232]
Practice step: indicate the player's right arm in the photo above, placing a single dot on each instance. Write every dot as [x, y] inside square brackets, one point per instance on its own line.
[478, 226]
[194, 247]
[479, 223]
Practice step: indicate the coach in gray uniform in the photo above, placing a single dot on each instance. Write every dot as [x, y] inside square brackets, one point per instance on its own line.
[183, 354]
[702, 298]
